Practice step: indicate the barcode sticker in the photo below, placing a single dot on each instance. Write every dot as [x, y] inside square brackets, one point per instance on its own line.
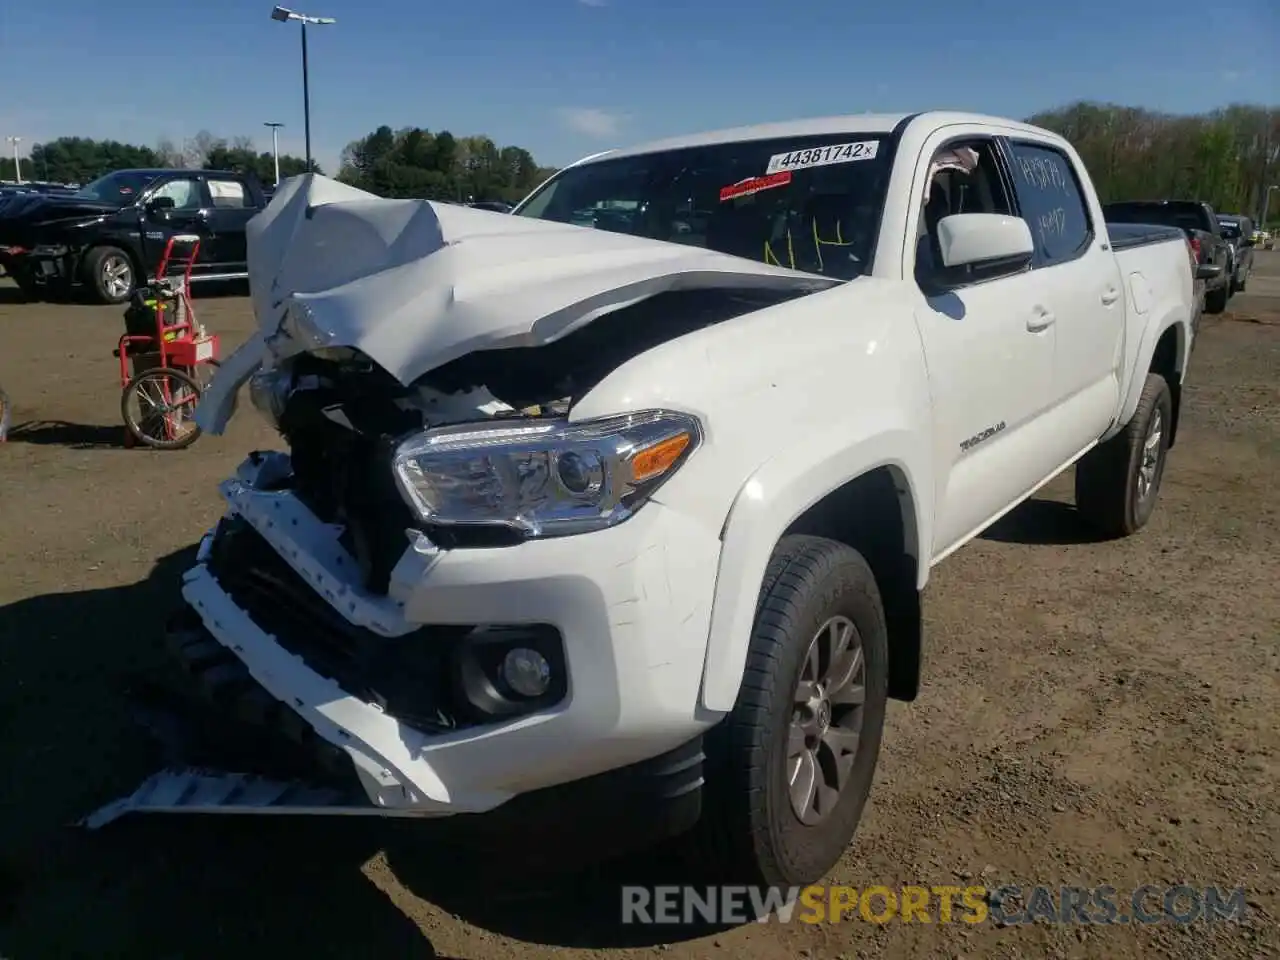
[823, 156]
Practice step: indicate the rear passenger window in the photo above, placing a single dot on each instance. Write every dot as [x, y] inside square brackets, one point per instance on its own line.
[1052, 203]
[228, 194]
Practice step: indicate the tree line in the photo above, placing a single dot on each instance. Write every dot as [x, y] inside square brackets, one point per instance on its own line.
[414, 162]
[1226, 157]
[82, 159]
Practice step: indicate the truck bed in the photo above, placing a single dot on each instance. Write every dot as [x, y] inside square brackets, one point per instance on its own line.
[1126, 236]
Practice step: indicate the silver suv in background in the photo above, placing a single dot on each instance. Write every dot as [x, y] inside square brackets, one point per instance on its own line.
[1238, 231]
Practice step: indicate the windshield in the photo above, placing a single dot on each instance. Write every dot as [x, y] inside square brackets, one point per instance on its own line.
[810, 203]
[119, 188]
[1230, 231]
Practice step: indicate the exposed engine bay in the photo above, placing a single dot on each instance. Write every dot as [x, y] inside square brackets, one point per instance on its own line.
[344, 416]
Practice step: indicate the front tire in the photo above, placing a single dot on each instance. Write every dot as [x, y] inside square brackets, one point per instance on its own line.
[165, 401]
[109, 274]
[790, 769]
[27, 285]
[1117, 482]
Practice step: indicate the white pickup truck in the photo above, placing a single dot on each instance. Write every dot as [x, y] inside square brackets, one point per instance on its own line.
[622, 532]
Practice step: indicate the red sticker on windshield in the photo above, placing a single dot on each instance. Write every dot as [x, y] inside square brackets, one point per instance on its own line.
[744, 188]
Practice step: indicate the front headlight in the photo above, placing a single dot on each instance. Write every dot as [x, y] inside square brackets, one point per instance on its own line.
[543, 478]
[269, 392]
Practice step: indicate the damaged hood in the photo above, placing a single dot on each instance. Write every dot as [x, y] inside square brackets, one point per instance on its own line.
[413, 284]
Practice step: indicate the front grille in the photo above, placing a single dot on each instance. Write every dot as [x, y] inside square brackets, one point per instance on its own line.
[344, 476]
[408, 676]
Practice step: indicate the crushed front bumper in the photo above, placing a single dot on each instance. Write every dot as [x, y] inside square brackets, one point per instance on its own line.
[631, 606]
[47, 265]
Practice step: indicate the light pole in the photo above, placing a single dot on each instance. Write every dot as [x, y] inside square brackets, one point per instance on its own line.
[275, 145]
[284, 15]
[17, 164]
[1266, 204]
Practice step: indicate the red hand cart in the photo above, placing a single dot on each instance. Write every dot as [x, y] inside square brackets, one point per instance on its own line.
[165, 354]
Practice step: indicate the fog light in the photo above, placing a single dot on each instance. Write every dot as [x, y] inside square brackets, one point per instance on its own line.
[526, 672]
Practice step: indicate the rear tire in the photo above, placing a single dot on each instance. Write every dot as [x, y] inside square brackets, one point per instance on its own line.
[1215, 301]
[1118, 482]
[751, 829]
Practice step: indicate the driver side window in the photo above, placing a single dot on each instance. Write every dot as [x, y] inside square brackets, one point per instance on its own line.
[964, 177]
[184, 192]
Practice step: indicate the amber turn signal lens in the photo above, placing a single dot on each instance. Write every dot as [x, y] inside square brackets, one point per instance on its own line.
[657, 459]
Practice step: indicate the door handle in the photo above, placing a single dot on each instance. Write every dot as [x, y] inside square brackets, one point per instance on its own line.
[1110, 296]
[1042, 319]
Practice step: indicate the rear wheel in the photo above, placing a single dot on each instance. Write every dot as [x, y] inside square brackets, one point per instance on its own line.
[159, 407]
[5, 415]
[790, 769]
[1118, 481]
[1215, 301]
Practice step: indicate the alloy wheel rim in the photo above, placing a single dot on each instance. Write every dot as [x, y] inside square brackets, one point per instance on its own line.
[826, 722]
[117, 276]
[1149, 467]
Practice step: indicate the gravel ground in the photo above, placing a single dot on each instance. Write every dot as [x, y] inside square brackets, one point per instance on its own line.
[1094, 713]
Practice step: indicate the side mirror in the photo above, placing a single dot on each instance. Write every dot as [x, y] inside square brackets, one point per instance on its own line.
[990, 244]
[160, 205]
[1208, 271]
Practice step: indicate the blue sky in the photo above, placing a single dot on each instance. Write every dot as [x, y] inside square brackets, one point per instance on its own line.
[568, 77]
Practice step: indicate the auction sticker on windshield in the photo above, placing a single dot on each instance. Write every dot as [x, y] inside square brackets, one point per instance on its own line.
[744, 188]
[823, 156]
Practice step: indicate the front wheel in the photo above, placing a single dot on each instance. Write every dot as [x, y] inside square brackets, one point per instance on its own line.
[5, 416]
[27, 285]
[109, 274]
[790, 769]
[158, 407]
[1118, 481]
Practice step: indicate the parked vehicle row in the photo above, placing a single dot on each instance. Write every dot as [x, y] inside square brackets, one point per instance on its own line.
[108, 235]
[1206, 235]
[610, 536]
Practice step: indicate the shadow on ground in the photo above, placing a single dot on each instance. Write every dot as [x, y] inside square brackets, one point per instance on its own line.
[78, 436]
[1042, 522]
[151, 885]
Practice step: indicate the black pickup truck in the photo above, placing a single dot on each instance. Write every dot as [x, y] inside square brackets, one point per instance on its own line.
[1198, 221]
[110, 234]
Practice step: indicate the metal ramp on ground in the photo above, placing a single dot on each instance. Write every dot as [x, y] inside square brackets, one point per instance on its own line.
[196, 790]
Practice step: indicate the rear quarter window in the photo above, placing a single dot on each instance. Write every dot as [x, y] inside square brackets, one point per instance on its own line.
[1051, 202]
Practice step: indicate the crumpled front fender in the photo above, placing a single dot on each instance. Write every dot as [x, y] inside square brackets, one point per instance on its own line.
[218, 403]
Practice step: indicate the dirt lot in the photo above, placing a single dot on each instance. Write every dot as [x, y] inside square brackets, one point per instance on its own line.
[1095, 713]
